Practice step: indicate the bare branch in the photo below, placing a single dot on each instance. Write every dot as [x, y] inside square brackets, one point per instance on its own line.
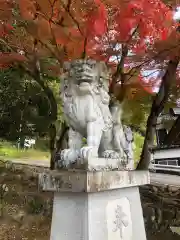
[119, 75]
[134, 69]
[50, 25]
[67, 8]
[124, 54]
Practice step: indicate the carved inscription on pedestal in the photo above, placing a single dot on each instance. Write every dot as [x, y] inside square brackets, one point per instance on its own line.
[119, 223]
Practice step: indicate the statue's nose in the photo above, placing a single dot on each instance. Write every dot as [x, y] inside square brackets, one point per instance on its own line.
[85, 68]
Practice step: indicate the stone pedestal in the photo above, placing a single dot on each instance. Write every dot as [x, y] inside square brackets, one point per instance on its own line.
[100, 205]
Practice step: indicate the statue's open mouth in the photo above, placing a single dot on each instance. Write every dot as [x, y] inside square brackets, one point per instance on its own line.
[84, 82]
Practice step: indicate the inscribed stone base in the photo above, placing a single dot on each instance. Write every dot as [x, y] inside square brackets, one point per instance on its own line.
[109, 215]
[96, 206]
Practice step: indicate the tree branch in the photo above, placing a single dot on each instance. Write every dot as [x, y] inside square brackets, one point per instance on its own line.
[70, 14]
[134, 69]
[50, 25]
[124, 54]
[119, 75]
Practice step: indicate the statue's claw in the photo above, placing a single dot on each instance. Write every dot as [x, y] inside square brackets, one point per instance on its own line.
[68, 156]
[88, 152]
[130, 165]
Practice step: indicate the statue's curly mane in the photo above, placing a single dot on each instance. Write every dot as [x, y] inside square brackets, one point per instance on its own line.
[85, 100]
[81, 86]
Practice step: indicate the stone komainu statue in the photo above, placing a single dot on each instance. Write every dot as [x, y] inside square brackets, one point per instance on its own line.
[84, 93]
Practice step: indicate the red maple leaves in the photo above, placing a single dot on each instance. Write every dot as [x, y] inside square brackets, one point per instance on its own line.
[97, 20]
[152, 18]
[97, 27]
[5, 29]
[8, 59]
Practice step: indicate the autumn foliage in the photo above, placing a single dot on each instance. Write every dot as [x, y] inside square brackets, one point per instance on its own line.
[125, 34]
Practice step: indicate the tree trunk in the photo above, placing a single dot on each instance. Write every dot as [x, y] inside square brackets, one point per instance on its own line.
[50, 96]
[63, 138]
[60, 144]
[157, 107]
[36, 75]
[52, 114]
[53, 118]
[52, 141]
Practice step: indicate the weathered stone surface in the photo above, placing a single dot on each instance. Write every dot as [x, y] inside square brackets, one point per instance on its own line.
[93, 205]
[85, 98]
[97, 164]
[83, 181]
[108, 215]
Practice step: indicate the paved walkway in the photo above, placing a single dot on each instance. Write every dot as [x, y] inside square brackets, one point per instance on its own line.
[34, 162]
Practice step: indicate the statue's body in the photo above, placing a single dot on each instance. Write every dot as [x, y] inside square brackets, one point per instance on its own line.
[86, 107]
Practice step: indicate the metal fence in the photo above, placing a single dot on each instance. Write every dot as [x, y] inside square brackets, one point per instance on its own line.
[166, 166]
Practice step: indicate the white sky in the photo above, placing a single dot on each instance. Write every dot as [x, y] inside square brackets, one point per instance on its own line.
[177, 14]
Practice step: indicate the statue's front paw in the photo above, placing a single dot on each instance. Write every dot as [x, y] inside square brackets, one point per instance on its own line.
[68, 156]
[131, 165]
[88, 152]
[110, 154]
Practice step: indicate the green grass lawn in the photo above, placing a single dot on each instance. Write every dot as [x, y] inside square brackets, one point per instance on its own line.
[7, 150]
[138, 141]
